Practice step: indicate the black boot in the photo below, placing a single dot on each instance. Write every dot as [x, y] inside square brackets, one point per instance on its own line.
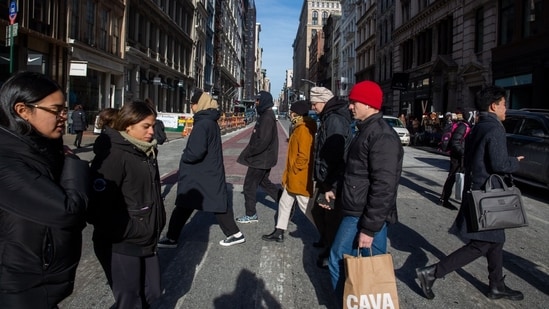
[277, 235]
[500, 290]
[426, 276]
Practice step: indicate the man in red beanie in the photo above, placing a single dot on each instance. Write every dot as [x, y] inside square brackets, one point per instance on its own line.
[370, 185]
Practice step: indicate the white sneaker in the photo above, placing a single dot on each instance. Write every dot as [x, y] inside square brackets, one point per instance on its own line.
[232, 240]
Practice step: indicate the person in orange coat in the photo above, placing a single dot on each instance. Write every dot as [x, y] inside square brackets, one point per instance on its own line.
[297, 177]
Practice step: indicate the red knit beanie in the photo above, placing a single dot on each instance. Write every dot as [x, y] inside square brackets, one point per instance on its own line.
[367, 92]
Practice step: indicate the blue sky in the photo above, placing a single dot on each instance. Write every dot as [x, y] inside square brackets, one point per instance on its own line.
[279, 20]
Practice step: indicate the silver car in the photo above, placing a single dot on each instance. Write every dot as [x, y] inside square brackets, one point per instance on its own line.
[528, 136]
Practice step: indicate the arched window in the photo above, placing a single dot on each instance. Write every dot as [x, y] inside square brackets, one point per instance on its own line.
[315, 18]
[324, 17]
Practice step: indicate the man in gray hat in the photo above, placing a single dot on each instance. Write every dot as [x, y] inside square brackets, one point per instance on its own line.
[332, 141]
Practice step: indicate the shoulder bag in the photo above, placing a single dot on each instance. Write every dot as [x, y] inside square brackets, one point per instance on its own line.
[496, 208]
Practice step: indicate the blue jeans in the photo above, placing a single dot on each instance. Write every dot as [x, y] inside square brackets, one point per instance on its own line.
[345, 242]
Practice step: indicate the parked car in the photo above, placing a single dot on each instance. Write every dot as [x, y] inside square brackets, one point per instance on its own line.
[400, 129]
[528, 136]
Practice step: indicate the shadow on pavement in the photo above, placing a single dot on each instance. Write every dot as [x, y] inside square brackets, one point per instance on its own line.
[241, 298]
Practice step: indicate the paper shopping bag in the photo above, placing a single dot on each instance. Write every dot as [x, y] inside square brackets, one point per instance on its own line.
[458, 187]
[370, 282]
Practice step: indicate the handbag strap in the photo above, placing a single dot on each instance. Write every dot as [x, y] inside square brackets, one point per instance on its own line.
[488, 185]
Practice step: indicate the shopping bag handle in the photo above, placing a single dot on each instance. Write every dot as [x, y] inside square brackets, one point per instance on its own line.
[359, 253]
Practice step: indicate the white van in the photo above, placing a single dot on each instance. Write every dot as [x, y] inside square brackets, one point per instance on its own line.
[400, 129]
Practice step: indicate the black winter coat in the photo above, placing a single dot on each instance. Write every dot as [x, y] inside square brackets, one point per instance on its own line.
[372, 174]
[332, 143]
[126, 206]
[457, 141]
[42, 214]
[485, 154]
[262, 150]
[79, 121]
[201, 184]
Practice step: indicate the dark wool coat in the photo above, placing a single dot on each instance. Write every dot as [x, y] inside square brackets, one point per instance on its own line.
[79, 121]
[262, 150]
[372, 174]
[126, 206]
[485, 154]
[201, 184]
[41, 221]
[332, 143]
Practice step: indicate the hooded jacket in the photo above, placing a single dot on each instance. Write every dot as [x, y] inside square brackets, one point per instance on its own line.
[332, 143]
[262, 150]
[297, 176]
[201, 184]
[42, 214]
[126, 207]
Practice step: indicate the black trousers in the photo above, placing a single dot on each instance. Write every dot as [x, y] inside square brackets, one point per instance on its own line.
[256, 177]
[470, 252]
[78, 139]
[134, 281]
[327, 223]
[181, 215]
[455, 166]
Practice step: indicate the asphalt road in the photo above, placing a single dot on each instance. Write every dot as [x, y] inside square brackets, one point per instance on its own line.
[257, 274]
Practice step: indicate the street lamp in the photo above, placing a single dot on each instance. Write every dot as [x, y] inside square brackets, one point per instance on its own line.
[310, 82]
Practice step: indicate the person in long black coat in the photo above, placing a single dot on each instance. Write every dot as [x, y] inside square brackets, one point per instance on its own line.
[260, 155]
[43, 195]
[485, 154]
[201, 184]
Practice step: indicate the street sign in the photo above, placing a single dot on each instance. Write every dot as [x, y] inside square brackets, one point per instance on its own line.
[11, 31]
[13, 11]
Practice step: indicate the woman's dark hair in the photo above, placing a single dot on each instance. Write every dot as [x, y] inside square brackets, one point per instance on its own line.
[132, 113]
[25, 87]
[487, 96]
[107, 117]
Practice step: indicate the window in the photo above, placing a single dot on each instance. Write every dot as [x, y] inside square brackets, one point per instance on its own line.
[407, 54]
[39, 16]
[507, 21]
[479, 30]
[103, 33]
[324, 17]
[115, 41]
[532, 24]
[424, 47]
[315, 18]
[74, 27]
[405, 6]
[445, 36]
[531, 127]
[89, 35]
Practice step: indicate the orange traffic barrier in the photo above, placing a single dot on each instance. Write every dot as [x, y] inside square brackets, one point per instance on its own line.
[188, 127]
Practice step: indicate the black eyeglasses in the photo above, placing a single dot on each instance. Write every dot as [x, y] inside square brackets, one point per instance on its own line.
[58, 111]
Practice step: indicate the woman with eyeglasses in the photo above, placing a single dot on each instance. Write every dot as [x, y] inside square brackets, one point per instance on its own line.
[43, 189]
[126, 206]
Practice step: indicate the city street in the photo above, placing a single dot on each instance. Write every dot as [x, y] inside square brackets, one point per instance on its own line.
[257, 274]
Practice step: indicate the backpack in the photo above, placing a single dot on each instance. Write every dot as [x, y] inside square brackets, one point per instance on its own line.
[159, 133]
[447, 135]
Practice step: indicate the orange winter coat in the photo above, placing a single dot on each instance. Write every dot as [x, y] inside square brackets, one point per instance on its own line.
[298, 174]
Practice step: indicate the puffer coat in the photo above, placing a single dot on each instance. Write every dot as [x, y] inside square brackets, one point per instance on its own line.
[42, 214]
[372, 175]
